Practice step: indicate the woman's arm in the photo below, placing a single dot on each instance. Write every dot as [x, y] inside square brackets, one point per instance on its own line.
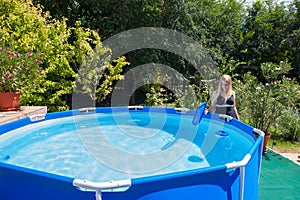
[212, 102]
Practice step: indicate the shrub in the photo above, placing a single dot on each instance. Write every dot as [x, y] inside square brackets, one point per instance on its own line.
[289, 125]
[18, 70]
[22, 26]
[262, 103]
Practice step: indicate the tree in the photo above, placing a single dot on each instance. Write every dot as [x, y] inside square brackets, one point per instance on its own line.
[265, 29]
[238, 38]
[22, 26]
[292, 41]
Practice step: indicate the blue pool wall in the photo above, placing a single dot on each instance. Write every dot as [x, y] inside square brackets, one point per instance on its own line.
[206, 183]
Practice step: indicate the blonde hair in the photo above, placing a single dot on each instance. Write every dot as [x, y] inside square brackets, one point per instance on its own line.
[228, 92]
[228, 80]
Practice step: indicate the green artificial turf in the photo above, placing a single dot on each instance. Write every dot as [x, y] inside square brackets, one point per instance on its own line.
[279, 179]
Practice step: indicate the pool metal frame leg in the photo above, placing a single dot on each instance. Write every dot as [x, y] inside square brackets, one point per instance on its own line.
[242, 182]
[98, 195]
[241, 166]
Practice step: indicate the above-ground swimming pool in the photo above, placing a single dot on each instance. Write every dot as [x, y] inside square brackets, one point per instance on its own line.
[130, 152]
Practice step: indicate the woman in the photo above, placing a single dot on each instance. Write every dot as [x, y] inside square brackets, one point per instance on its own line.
[223, 100]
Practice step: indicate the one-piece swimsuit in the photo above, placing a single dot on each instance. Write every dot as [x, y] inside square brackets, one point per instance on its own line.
[225, 107]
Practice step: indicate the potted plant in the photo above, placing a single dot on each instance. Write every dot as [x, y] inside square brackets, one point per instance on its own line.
[261, 102]
[17, 71]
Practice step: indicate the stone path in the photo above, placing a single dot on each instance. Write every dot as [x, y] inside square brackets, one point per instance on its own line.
[291, 153]
[25, 111]
[295, 157]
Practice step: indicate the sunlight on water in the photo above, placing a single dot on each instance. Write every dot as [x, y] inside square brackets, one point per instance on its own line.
[132, 148]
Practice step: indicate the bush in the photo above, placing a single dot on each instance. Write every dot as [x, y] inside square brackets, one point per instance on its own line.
[155, 97]
[289, 125]
[261, 104]
[22, 26]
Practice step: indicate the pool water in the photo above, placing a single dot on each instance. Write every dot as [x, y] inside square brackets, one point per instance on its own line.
[115, 146]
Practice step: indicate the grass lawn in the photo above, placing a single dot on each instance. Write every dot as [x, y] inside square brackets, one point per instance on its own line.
[284, 146]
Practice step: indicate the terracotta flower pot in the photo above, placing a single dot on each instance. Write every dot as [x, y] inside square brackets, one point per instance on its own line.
[266, 140]
[9, 101]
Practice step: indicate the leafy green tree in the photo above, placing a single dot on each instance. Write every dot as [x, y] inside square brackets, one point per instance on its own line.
[238, 38]
[264, 31]
[22, 26]
[292, 41]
